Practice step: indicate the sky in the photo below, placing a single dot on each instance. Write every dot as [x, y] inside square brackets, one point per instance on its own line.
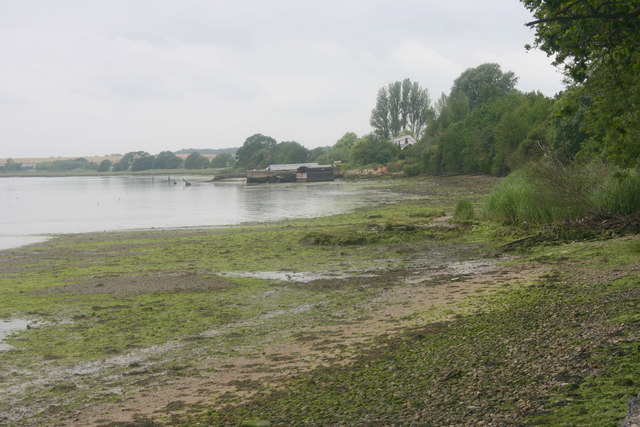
[88, 77]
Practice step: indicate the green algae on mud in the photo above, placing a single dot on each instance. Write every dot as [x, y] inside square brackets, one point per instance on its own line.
[561, 351]
[124, 309]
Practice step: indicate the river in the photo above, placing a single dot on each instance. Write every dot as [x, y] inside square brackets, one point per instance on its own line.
[34, 208]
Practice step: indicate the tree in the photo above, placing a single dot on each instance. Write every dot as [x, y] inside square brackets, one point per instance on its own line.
[289, 152]
[142, 163]
[125, 162]
[598, 45]
[105, 165]
[12, 166]
[484, 82]
[320, 154]
[341, 150]
[453, 108]
[401, 106]
[497, 137]
[223, 160]
[256, 150]
[196, 160]
[167, 160]
[371, 149]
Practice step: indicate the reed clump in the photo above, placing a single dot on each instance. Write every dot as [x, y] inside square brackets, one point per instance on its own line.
[549, 191]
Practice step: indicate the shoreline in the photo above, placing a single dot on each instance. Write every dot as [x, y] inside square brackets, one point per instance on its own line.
[272, 311]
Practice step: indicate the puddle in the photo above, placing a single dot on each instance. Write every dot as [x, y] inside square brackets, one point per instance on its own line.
[290, 276]
[8, 327]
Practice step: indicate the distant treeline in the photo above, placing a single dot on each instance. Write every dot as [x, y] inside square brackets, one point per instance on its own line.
[132, 161]
[141, 160]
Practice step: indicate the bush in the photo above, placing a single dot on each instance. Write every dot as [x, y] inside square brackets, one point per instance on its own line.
[619, 193]
[550, 192]
[464, 211]
[105, 165]
[411, 170]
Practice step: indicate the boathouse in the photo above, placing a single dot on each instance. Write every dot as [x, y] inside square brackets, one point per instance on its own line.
[293, 172]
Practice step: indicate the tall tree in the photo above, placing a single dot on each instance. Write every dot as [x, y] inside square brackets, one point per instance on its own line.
[371, 149]
[484, 82]
[289, 152]
[341, 150]
[401, 106]
[167, 160]
[256, 150]
[597, 42]
[196, 160]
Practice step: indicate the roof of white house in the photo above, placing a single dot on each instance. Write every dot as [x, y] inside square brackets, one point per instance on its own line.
[401, 138]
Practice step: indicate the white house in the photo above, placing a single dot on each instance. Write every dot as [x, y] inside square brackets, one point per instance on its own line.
[403, 141]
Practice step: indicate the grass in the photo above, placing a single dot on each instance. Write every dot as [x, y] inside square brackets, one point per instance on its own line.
[464, 211]
[552, 193]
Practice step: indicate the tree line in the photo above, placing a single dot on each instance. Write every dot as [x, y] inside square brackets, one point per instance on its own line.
[133, 161]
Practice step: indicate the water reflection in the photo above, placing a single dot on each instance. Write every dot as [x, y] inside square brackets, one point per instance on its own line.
[33, 207]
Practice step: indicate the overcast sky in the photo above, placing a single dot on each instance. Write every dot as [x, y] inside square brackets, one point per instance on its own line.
[82, 77]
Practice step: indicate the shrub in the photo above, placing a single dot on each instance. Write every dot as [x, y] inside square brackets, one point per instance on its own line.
[618, 193]
[464, 211]
[550, 192]
[411, 170]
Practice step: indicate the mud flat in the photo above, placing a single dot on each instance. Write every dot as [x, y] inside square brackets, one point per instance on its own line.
[379, 316]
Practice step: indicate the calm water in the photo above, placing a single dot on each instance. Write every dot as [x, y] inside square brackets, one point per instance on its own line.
[33, 208]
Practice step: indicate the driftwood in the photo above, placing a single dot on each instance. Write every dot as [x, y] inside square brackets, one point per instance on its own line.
[515, 242]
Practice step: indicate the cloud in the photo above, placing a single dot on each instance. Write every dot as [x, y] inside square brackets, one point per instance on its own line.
[83, 77]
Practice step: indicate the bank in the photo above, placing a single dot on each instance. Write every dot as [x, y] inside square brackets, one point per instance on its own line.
[389, 315]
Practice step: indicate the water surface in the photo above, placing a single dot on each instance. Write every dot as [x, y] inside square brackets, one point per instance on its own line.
[31, 209]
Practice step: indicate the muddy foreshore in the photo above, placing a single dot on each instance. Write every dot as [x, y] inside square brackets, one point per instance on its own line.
[225, 326]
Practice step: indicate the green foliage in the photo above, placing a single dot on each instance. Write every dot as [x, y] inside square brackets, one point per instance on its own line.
[288, 152]
[196, 160]
[320, 155]
[618, 192]
[341, 150]
[413, 169]
[372, 150]
[11, 166]
[167, 160]
[550, 192]
[566, 131]
[598, 43]
[142, 163]
[67, 165]
[516, 199]
[498, 136]
[464, 211]
[483, 83]
[453, 108]
[105, 165]
[256, 150]
[401, 106]
[223, 160]
[127, 160]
